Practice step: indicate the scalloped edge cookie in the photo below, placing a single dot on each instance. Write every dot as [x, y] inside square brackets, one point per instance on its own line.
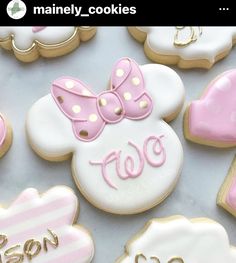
[128, 246]
[38, 49]
[30, 200]
[142, 37]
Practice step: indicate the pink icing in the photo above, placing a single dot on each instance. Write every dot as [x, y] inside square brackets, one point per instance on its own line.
[30, 216]
[37, 29]
[3, 131]
[111, 157]
[129, 163]
[157, 149]
[231, 196]
[213, 117]
[78, 103]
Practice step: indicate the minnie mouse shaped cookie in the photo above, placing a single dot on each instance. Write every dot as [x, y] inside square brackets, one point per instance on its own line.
[5, 135]
[125, 157]
[28, 43]
[186, 46]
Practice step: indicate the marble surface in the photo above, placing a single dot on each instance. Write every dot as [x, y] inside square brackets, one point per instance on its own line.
[204, 167]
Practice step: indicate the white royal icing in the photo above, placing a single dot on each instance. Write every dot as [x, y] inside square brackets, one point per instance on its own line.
[25, 36]
[198, 241]
[210, 41]
[50, 133]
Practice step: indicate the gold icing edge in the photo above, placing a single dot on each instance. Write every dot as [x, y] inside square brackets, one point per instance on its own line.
[38, 48]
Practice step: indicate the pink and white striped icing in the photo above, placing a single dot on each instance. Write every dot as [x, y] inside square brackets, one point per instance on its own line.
[30, 216]
[3, 131]
[213, 117]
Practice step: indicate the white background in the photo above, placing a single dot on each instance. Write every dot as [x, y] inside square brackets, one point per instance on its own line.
[204, 168]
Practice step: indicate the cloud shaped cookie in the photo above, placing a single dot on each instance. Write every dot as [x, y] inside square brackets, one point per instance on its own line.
[126, 158]
[28, 43]
[179, 240]
[40, 229]
[188, 47]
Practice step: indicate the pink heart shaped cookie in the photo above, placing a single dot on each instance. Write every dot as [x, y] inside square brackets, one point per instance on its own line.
[211, 120]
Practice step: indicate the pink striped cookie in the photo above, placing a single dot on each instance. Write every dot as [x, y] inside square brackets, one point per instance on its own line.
[5, 136]
[42, 229]
[227, 194]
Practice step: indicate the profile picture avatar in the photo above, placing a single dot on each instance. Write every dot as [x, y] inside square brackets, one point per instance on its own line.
[16, 9]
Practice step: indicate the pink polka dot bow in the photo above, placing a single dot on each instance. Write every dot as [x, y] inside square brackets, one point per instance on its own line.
[89, 113]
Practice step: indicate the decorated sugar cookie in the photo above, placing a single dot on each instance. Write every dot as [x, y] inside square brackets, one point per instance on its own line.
[126, 158]
[186, 46]
[5, 135]
[227, 194]
[211, 120]
[179, 240]
[28, 43]
[42, 229]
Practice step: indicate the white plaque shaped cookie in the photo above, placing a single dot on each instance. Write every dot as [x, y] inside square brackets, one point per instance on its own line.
[179, 240]
[28, 43]
[187, 47]
[43, 229]
[125, 157]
